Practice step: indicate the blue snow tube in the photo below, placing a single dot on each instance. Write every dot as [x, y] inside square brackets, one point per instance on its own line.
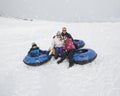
[78, 43]
[37, 60]
[83, 56]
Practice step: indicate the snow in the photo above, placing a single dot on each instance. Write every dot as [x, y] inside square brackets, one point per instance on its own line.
[99, 78]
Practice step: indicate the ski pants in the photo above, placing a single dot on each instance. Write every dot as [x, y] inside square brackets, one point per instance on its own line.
[68, 54]
[58, 50]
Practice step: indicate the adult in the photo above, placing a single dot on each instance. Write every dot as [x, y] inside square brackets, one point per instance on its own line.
[65, 33]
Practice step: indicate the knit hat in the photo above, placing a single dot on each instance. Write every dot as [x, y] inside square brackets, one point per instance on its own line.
[58, 33]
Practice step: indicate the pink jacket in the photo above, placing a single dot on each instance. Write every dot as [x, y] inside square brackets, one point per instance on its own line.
[68, 44]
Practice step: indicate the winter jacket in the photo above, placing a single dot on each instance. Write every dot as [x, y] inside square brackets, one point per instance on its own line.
[67, 35]
[36, 52]
[68, 44]
[57, 42]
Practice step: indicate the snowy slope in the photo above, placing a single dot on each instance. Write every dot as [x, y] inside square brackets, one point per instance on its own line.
[99, 78]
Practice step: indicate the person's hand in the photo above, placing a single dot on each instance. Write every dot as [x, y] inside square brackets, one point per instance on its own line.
[49, 49]
[64, 51]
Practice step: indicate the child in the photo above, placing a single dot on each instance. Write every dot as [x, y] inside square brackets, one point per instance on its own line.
[35, 51]
[68, 51]
[57, 44]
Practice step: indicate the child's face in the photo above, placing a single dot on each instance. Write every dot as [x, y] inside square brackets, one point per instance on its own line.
[34, 46]
[65, 37]
[58, 36]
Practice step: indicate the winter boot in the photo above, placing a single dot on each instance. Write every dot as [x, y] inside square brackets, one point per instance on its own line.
[59, 61]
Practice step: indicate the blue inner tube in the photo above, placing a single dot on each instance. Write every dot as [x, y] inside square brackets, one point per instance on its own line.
[38, 60]
[83, 56]
[78, 43]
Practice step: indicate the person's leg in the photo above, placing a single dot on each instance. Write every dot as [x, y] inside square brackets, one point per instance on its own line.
[63, 56]
[60, 51]
[70, 57]
[56, 52]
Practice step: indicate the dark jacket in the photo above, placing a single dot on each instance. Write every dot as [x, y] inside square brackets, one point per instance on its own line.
[67, 35]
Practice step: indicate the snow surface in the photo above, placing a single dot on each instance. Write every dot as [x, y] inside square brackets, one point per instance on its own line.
[99, 78]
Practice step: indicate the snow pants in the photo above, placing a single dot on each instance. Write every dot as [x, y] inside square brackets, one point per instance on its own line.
[68, 54]
[58, 50]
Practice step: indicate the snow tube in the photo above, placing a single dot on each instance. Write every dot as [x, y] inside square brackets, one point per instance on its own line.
[38, 60]
[83, 56]
[78, 43]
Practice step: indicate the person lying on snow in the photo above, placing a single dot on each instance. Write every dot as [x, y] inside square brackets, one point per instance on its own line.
[36, 51]
[68, 50]
[57, 44]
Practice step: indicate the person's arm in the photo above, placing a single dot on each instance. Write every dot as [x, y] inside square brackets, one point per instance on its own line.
[52, 45]
[29, 50]
[70, 36]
